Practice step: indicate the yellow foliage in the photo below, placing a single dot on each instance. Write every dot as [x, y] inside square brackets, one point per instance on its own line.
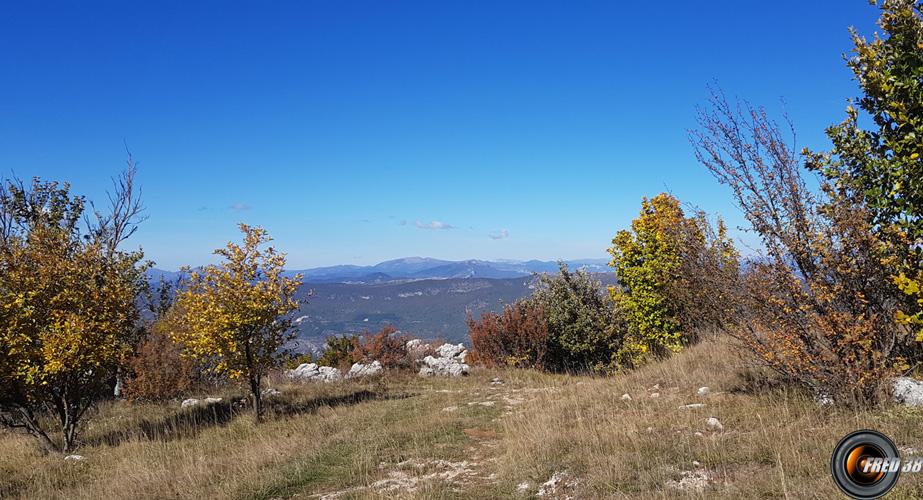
[237, 312]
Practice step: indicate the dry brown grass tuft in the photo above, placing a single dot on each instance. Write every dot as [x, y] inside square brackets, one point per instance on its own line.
[467, 438]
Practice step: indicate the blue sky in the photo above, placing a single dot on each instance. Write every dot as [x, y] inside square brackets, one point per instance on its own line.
[362, 131]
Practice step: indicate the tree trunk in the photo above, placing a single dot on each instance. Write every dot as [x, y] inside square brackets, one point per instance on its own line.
[254, 385]
[257, 398]
[33, 428]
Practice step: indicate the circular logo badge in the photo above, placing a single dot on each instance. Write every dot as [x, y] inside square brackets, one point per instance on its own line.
[865, 464]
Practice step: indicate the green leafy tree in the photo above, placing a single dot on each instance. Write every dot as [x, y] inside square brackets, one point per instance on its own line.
[677, 275]
[883, 166]
[645, 259]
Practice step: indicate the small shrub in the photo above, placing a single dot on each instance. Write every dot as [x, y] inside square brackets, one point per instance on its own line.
[158, 370]
[297, 360]
[387, 347]
[338, 351]
[517, 337]
[584, 332]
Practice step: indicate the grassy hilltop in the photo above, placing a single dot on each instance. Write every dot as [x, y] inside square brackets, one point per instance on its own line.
[407, 437]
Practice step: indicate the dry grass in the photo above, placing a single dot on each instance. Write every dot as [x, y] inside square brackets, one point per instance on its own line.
[465, 438]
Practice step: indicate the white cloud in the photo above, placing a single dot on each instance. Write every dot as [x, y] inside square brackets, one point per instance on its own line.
[499, 235]
[434, 225]
[240, 207]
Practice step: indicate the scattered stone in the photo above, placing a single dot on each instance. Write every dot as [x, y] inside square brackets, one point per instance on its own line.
[907, 391]
[74, 458]
[496, 381]
[655, 388]
[270, 392]
[696, 480]
[626, 397]
[399, 481]
[190, 402]
[698, 434]
[650, 430]
[703, 391]
[481, 403]
[359, 370]
[450, 408]
[655, 394]
[823, 399]
[696, 463]
[560, 485]
[512, 401]
[311, 372]
[714, 424]
[692, 406]
[523, 487]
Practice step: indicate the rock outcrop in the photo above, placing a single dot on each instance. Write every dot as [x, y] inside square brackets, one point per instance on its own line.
[907, 391]
[311, 372]
[359, 370]
[449, 361]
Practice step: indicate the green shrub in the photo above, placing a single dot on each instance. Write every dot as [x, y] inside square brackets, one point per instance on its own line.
[338, 351]
[584, 331]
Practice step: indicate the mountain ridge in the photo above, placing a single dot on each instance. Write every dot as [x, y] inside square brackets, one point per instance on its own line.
[422, 268]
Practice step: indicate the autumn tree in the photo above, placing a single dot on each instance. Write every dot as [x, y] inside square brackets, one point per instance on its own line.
[239, 311]
[883, 166]
[820, 302]
[656, 262]
[68, 314]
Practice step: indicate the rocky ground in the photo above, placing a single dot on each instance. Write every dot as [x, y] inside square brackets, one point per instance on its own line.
[691, 426]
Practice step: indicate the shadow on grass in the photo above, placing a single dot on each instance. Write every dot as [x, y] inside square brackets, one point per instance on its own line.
[187, 423]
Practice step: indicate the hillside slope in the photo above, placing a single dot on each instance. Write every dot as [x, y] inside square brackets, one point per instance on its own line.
[407, 437]
[432, 308]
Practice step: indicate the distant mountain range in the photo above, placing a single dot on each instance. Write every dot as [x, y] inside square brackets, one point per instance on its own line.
[428, 298]
[422, 268]
[416, 268]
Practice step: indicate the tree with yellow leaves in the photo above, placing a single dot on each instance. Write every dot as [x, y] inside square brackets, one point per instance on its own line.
[676, 279]
[238, 312]
[68, 314]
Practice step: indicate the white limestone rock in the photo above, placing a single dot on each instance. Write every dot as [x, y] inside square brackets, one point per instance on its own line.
[359, 370]
[416, 348]
[454, 351]
[311, 372]
[713, 424]
[188, 403]
[907, 391]
[450, 367]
